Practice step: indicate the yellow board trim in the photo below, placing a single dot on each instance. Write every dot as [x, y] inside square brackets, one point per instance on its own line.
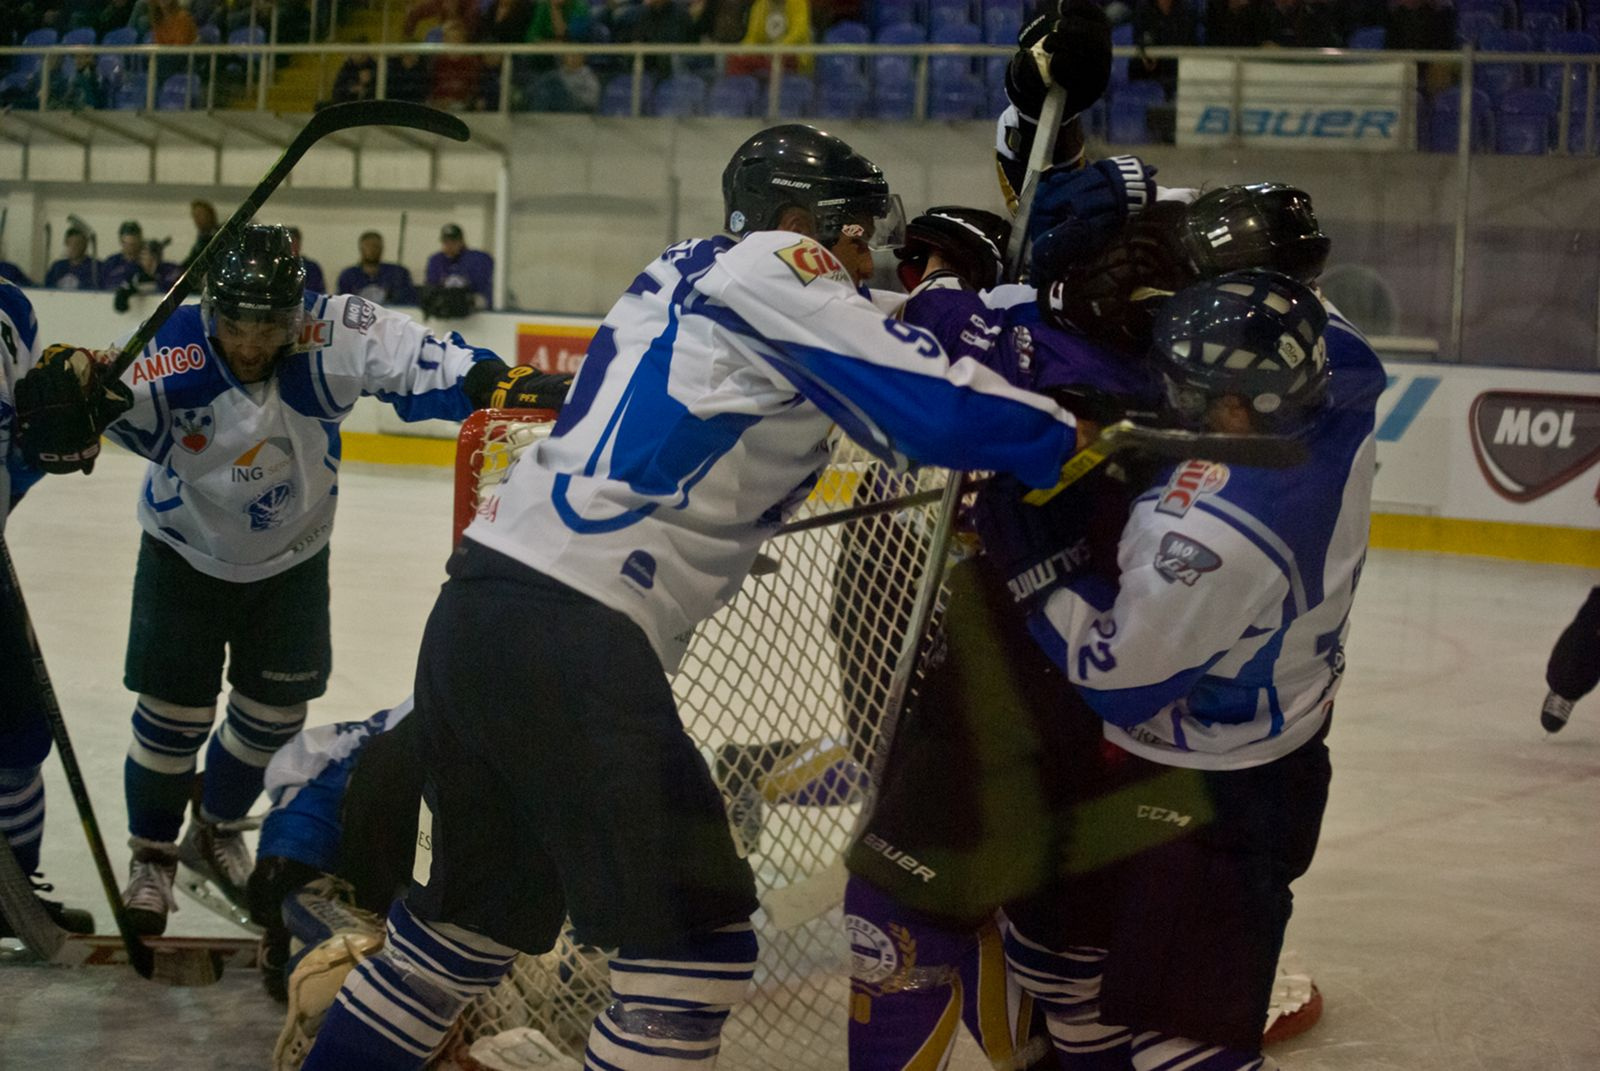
[1550, 544]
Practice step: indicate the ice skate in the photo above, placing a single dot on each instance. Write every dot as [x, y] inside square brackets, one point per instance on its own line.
[71, 919]
[1555, 712]
[148, 895]
[216, 864]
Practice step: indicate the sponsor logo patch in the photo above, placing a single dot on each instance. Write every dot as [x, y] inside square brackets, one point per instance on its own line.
[192, 428]
[810, 262]
[1189, 481]
[899, 858]
[1183, 560]
[267, 459]
[1529, 443]
[315, 335]
[270, 508]
[169, 361]
[873, 956]
[640, 568]
[359, 314]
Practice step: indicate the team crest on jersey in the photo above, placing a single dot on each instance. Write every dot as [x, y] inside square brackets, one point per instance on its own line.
[192, 429]
[315, 335]
[1183, 560]
[810, 262]
[1189, 481]
[359, 314]
[270, 508]
[875, 957]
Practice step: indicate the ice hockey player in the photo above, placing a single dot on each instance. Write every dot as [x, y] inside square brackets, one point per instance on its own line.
[1213, 661]
[237, 404]
[1574, 666]
[698, 421]
[24, 730]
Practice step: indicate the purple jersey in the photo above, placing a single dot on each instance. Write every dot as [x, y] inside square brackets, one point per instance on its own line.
[64, 275]
[117, 270]
[314, 280]
[472, 270]
[392, 284]
[13, 274]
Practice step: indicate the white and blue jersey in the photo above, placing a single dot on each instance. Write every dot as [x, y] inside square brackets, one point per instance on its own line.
[19, 352]
[306, 781]
[1223, 643]
[244, 478]
[699, 420]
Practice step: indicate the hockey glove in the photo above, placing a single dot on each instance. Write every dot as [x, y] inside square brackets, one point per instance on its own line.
[63, 404]
[1077, 212]
[493, 384]
[1036, 550]
[1069, 45]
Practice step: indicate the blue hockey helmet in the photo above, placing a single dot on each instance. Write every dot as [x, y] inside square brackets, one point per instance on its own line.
[1256, 334]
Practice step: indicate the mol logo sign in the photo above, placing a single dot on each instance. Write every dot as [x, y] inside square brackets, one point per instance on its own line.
[1529, 443]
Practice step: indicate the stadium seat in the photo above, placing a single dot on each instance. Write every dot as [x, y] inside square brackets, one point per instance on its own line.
[961, 98]
[616, 97]
[734, 96]
[83, 35]
[1525, 123]
[1127, 111]
[1571, 43]
[842, 100]
[998, 101]
[1475, 19]
[892, 74]
[680, 96]
[1498, 79]
[1001, 25]
[1444, 121]
[129, 94]
[29, 64]
[1540, 26]
[951, 68]
[434, 36]
[1368, 38]
[210, 35]
[795, 94]
[893, 100]
[108, 68]
[180, 92]
[945, 13]
[841, 69]
[887, 13]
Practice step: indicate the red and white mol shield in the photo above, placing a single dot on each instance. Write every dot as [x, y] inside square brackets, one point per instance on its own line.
[1529, 443]
[553, 347]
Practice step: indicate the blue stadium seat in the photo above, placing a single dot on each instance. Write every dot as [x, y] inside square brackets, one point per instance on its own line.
[891, 74]
[842, 100]
[1368, 38]
[210, 35]
[1122, 34]
[1570, 43]
[433, 37]
[1001, 25]
[955, 100]
[29, 64]
[680, 96]
[734, 96]
[893, 100]
[1498, 79]
[616, 96]
[83, 35]
[795, 94]
[130, 93]
[887, 13]
[1473, 23]
[945, 13]
[1127, 110]
[180, 92]
[954, 68]
[998, 102]
[840, 69]
[1525, 123]
[1543, 25]
[1444, 121]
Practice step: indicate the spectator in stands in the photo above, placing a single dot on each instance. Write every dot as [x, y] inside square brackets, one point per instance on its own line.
[171, 24]
[457, 80]
[456, 267]
[78, 86]
[204, 214]
[314, 280]
[154, 274]
[775, 22]
[1161, 24]
[508, 22]
[375, 280]
[571, 87]
[77, 270]
[357, 78]
[409, 78]
[1303, 24]
[446, 11]
[724, 22]
[122, 264]
[12, 273]
[657, 22]
[1236, 23]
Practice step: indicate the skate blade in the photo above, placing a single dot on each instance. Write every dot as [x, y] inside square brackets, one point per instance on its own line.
[203, 891]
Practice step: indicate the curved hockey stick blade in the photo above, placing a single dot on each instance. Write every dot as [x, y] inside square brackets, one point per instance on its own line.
[1258, 451]
[329, 120]
[28, 919]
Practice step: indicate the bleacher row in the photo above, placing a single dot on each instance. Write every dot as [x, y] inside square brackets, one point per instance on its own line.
[123, 77]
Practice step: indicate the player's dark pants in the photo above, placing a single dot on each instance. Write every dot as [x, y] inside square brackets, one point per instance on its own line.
[1574, 667]
[24, 741]
[558, 774]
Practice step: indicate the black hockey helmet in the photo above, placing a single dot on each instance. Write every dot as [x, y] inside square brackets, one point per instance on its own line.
[257, 279]
[1256, 334]
[971, 240]
[1262, 225]
[795, 164]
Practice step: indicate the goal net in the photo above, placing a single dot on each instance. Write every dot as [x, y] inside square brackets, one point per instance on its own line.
[787, 691]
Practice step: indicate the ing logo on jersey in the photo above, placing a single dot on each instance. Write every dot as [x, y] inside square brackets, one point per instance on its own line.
[1189, 481]
[192, 428]
[810, 262]
[270, 508]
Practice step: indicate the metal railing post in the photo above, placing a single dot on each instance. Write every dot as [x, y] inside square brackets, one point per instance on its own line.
[46, 61]
[919, 103]
[1564, 112]
[211, 85]
[268, 65]
[774, 86]
[152, 71]
[505, 84]
[636, 100]
[1235, 105]
[1458, 274]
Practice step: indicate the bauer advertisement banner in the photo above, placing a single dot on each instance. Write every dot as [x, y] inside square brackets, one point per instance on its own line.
[1490, 444]
[1366, 107]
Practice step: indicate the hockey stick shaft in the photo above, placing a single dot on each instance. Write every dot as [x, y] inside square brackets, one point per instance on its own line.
[1044, 150]
[329, 120]
[139, 956]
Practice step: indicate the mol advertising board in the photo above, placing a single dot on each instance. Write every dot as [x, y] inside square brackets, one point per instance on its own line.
[1348, 106]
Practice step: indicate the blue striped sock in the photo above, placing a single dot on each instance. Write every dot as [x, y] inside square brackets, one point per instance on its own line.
[22, 813]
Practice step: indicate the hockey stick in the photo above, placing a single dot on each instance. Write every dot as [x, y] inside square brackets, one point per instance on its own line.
[29, 920]
[329, 120]
[808, 898]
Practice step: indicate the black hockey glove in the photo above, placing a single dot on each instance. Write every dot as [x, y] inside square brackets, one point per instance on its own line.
[63, 404]
[1035, 550]
[1069, 45]
[1078, 211]
[493, 384]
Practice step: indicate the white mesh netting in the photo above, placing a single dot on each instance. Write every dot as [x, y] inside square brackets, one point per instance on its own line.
[786, 690]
